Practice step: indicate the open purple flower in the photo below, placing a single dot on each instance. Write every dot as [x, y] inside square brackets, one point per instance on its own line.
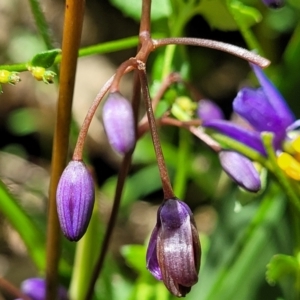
[174, 250]
[265, 109]
[75, 200]
[236, 166]
[35, 288]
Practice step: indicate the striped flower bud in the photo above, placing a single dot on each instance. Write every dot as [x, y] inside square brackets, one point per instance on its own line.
[118, 123]
[174, 251]
[75, 200]
[35, 288]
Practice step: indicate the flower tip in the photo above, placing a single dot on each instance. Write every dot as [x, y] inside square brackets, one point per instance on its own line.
[208, 110]
[118, 121]
[241, 170]
[75, 200]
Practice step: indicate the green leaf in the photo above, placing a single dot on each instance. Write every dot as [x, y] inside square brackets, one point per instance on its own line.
[280, 266]
[132, 8]
[247, 15]
[135, 256]
[45, 59]
[217, 14]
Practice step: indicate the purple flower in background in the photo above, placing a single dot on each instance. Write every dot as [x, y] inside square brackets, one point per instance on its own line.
[75, 200]
[237, 166]
[174, 251]
[118, 121]
[265, 109]
[35, 288]
[274, 3]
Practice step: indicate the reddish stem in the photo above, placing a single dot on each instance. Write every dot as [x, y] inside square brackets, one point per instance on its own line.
[234, 50]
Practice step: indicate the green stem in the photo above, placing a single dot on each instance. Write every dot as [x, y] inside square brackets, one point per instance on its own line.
[246, 32]
[86, 251]
[181, 176]
[103, 48]
[41, 23]
[74, 10]
[280, 175]
[269, 204]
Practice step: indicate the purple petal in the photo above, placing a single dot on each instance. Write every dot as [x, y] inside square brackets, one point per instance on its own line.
[35, 288]
[250, 138]
[208, 110]
[151, 257]
[241, 170]
[254, 106]
[118, 121]
[274, 97]
[75, 200]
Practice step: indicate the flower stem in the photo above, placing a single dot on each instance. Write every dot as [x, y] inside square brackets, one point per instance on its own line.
[166, 184]
[11, 289]
[231, 49]
[117, 198]
[74, 10]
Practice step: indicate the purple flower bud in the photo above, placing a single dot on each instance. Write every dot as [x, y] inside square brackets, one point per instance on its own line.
[274, 3]
[174, 251]
[208, 110]
[75, 200]
[118, 122]
[35, 288]
[241, 170]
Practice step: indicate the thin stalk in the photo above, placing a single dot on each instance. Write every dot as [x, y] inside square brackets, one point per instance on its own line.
[184, 149]
[74, 10]
[88, 119]
[145, 25]
[231, 49]
[166, 184]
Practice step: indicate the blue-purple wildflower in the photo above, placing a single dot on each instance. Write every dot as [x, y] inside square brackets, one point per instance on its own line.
[174, 251]
[265, 109]
[237, 166]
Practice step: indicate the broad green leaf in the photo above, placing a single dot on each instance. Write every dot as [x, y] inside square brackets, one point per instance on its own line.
[280, 266]
[132, 8]
[45, 59]
[248, 16]
[217, 14]
[135, 256]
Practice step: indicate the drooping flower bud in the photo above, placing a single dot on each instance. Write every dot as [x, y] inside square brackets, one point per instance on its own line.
[35, 288]
[208, 110]
[241, 170]
[274, 3]
[118, 122]
[75, 200]
[174, 250]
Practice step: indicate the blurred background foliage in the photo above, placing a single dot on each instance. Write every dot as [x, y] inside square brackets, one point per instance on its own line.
[240, 232]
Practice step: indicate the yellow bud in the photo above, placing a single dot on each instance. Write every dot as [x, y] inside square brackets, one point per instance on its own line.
[41, 74]
[186, 104]
[9, 77]
[289, 165]
[296, 144]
